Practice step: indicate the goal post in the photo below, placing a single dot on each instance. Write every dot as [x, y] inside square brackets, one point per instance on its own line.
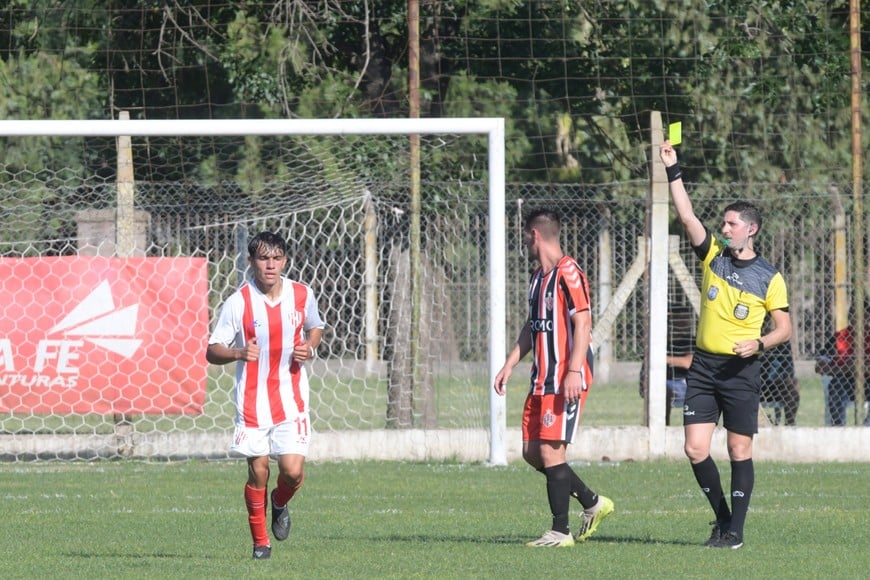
[491, 128]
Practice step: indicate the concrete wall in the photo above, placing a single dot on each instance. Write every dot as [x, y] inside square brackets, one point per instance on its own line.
[793, 444]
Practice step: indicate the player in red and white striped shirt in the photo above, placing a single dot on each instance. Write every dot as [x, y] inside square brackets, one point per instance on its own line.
[558, 332]
[269, 327]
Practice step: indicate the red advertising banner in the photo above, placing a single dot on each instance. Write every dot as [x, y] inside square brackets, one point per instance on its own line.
[87, 334]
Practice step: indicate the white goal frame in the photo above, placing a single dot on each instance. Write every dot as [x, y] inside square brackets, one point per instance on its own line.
[493, 128]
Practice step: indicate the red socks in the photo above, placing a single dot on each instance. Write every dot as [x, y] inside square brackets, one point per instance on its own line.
[284, 493]
[255, 500]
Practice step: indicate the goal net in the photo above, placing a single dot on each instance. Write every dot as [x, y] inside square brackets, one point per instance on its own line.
[119, 240]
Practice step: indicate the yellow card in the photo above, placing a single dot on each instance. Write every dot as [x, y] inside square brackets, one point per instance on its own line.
[675, 132]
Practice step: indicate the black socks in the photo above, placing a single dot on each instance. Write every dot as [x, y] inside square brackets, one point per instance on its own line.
[707, 476]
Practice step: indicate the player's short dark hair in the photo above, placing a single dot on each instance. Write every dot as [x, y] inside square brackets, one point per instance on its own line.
[545, 221]
[749, 213]
[268, 241]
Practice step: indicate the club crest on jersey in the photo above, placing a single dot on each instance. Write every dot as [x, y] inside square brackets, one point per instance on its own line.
[741, 311]
[549, 419]
[294, 318]
[548, 301]
[712, 292]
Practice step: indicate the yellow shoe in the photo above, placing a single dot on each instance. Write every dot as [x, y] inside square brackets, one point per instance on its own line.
[552, 539]
[593, 516]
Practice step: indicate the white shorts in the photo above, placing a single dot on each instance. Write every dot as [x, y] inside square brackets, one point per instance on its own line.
[290, 437]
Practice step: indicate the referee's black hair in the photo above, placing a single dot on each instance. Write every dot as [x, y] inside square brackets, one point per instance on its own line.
[748, 213]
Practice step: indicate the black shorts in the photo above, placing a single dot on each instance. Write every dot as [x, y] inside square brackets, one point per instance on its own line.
[725, 385]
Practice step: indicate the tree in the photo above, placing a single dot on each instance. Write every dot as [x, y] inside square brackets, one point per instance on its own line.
[36, 172]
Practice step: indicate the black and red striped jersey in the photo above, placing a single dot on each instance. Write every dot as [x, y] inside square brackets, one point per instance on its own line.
[554, 297]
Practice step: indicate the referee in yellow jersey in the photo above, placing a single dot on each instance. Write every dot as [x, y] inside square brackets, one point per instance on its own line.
[738, 288]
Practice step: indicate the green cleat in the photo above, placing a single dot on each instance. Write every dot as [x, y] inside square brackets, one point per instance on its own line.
[593, 516]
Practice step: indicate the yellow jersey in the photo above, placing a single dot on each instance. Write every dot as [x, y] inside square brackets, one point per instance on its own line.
[735, 297]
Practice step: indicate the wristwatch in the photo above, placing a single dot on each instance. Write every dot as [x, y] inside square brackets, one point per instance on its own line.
[760, 345]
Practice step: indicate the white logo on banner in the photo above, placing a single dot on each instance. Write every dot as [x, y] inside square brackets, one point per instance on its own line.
[96, 320]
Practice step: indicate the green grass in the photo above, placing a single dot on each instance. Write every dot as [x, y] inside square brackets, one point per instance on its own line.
[411, 520]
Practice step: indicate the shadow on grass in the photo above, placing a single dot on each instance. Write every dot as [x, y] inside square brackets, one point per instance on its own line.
[516, 539]
[125, 554]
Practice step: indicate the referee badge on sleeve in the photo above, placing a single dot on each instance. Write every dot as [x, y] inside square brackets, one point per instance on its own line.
[712, 292]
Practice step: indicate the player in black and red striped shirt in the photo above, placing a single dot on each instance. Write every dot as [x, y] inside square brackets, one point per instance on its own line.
[558, 333]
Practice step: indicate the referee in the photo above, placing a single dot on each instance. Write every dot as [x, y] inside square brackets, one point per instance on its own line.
[738, 289]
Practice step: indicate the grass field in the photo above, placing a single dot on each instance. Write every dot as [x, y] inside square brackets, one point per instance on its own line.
[410, 520]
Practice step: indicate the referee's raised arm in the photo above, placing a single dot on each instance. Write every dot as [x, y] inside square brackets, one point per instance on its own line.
[694, 228]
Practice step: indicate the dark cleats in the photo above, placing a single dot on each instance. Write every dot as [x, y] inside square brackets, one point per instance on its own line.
[280, 522]
[719, 529]
[728, 540]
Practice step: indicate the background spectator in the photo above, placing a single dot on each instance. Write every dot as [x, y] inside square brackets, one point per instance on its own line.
[779, 384]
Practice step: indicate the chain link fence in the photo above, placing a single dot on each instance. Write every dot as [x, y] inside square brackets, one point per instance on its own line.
[344, 205]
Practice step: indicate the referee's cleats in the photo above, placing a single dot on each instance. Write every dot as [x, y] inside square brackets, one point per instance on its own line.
[262, 552]
[590, 518]
[719, 530]
[280, 521]
[552, 539]
[728, 540]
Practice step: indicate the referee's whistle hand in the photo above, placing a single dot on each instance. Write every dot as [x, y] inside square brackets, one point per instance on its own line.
[746, 348]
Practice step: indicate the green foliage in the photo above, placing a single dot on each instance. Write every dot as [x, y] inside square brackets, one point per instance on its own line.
[762, 88]
[472, 97]
[332, 97]
[769, 76]
[243, 57]
[36, 86]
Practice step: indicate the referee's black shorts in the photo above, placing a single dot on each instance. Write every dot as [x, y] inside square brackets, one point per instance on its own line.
[725, 385]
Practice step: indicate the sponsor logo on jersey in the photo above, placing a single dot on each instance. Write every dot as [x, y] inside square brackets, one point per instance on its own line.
[541, 325]
[734, 278]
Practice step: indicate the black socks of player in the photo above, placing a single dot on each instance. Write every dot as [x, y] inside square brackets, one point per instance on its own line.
[579, 490]
[584, 495]
[559, 494]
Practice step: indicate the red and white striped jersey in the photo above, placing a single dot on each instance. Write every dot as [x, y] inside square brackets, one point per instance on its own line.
[274, 387]
[554, 297]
